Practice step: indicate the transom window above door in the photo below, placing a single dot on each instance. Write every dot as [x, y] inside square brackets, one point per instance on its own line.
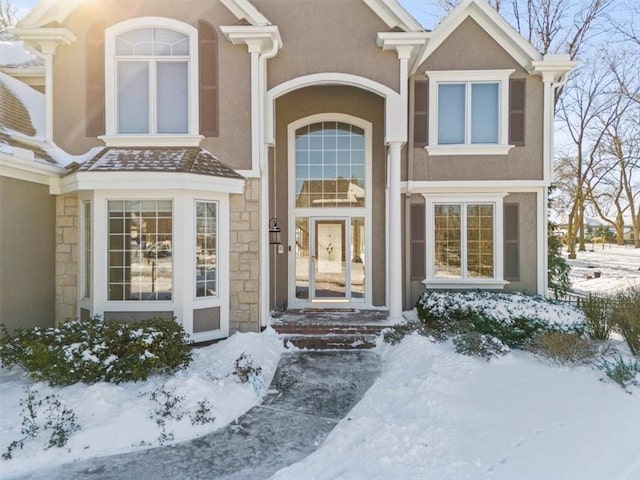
[330, 165]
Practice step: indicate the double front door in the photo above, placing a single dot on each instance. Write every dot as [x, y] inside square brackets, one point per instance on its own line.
[329, 259]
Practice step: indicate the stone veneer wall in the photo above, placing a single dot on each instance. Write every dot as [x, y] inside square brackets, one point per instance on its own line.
[244, 260]
[66, 257]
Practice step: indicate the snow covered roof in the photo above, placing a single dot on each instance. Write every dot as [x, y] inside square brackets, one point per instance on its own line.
[14, 53]
[158, 159]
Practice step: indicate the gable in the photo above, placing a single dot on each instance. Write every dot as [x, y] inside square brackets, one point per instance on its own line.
[469, 47]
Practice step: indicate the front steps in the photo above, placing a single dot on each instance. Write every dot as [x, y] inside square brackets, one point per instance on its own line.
[327, 330]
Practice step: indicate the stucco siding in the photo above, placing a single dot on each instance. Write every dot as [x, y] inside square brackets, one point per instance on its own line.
[471, 48]
[27, 249]
[328, 36]
[314, 100]
[232, 146]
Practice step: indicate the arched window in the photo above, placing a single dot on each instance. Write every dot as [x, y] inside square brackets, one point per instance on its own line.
[330, 165]
[152, 78]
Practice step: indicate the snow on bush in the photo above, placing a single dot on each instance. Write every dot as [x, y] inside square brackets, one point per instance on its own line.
[504, 307]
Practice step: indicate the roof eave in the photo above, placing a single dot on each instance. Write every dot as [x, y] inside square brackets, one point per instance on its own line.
[394, 15]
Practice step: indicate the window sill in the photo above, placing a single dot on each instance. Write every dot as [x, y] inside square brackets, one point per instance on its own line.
[452, 284]
[151, 140]
[444, 150]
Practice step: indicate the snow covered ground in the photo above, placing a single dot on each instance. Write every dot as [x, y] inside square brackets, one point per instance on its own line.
[619, 268]
[435, 414]
[115, 418]
[432, 414]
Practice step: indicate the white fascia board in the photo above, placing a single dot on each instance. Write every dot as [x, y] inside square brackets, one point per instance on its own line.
[139, 181]
[244, 10]
[48, 11]
[416, 42]
[474, 186]
[243, 34]
[45, 36]
[492, 23]
[394, 15]
[556, 65]
[29, 170]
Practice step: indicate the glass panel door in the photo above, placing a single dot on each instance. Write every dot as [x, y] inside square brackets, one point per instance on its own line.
[329, 264]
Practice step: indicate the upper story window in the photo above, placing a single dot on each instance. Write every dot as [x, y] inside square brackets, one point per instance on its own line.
[469, 112]
[152, 78]
[152, 82]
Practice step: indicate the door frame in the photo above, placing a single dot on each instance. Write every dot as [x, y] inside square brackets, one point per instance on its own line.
[345, 213]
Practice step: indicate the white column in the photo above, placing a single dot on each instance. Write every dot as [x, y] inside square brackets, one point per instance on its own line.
[47, 54]
[395, 232]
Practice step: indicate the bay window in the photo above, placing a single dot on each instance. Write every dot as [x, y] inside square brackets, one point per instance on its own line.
[140, 241]
[206, 249]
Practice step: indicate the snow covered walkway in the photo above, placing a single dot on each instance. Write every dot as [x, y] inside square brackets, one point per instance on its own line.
[311, 391]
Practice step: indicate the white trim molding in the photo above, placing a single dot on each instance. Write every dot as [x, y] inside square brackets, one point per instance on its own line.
[496, 199]
[394, 15]
[111, 34]
[143, 181]
[492, 23]
[333, 212]
[469, 77]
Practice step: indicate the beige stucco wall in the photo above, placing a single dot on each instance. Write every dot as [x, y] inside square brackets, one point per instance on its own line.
[244, 259]
[328, 36]
[330, 99]
[471, 48]
[27, 245]
[232, 146]
[527, 212]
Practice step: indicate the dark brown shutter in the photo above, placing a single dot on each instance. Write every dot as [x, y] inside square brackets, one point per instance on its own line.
[420, 113]
[208, 78]
[511, 242]
[95, 80]
[418, 262]
[516, 111]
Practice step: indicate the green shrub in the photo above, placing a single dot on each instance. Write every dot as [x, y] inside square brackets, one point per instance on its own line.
[479, 344]
[597, 311]
[513, 318]
[625, 316]
[623, 373]
[95, 350]
[565, 348]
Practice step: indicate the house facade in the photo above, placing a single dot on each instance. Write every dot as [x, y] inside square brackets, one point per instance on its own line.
[228, 159]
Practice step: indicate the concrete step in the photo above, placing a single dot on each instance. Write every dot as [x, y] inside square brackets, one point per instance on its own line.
[331, 342]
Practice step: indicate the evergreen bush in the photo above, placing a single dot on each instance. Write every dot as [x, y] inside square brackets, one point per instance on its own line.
[95, 350]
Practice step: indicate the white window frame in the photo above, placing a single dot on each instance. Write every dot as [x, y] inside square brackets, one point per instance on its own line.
[112, 137]
[195, 249]
[469, 77]
[331, 212]
[496, 200]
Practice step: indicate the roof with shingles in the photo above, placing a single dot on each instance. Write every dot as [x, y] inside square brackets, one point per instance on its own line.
[39, 153]
[158, 159]
[13, 114]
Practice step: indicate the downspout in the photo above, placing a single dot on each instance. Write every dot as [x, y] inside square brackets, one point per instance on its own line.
[265, 247]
